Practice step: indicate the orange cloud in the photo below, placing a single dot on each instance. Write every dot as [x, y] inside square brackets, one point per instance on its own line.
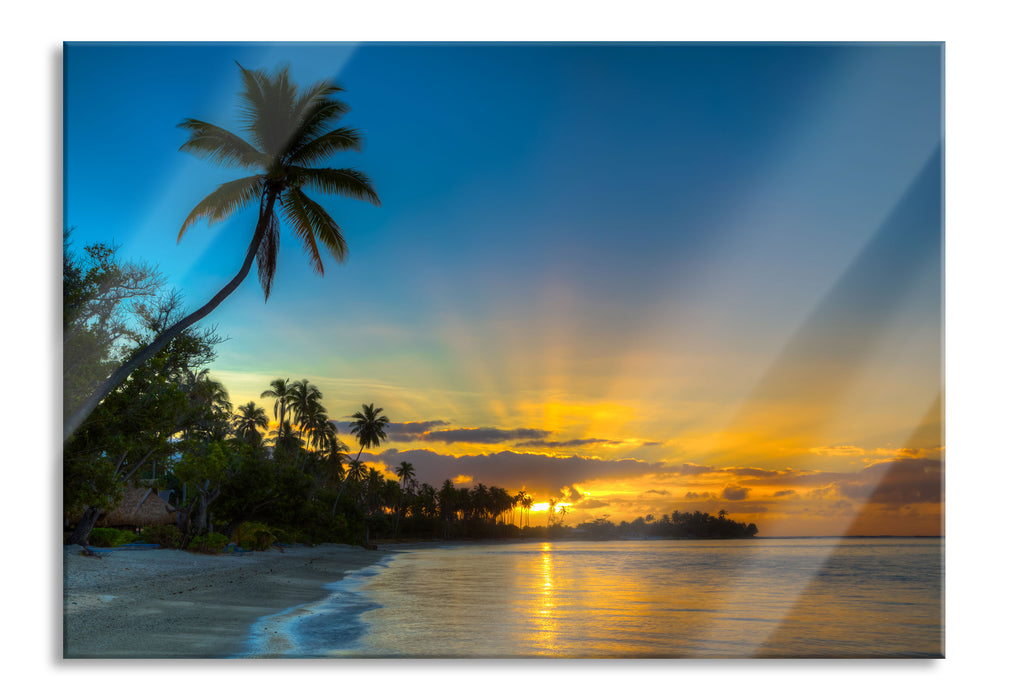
[838, 451]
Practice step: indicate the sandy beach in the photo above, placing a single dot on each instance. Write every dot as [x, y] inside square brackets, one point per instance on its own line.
[165, 603]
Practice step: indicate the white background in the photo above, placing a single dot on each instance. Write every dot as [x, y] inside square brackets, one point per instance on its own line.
[976, 340]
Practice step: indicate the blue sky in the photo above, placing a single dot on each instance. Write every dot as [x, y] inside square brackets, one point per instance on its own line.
[612, 241]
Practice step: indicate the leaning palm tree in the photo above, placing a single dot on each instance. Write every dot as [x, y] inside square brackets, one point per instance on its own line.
[290, 134]
[369, 427]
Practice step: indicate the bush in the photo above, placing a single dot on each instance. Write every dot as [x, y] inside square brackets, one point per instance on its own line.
[164, 535]
[109, 537]
[255, 536]
[210, 543]
[290, 536]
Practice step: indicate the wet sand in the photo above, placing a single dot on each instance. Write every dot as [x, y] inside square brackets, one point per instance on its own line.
[165, 603]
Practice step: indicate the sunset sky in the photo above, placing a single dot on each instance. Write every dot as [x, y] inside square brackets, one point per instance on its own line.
[632, 277]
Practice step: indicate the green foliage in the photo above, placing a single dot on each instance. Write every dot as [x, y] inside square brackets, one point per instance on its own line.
[163, 535]
[209, 543]
[110, 537]
[291, 536]
[255, 536]
[132, 429]
[99, 293]
[199, 466]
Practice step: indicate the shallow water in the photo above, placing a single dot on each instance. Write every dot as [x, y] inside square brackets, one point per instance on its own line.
[741, 598]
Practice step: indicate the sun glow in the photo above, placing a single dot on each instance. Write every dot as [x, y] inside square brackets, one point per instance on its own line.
[544, 507]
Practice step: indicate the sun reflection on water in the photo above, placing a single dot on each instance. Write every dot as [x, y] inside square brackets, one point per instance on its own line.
[545, 619]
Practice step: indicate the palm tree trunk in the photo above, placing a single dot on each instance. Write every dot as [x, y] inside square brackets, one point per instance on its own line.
[119, 376]
[339, 493]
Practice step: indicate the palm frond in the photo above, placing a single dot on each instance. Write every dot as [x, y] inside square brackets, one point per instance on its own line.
[266, 256]
[251, 96]
[310, 222]
[346, 182]
[267, 109]
[225, 201]
[313, 110]
[342, 139]
[318, 119]
[319, 92]
[219, 145]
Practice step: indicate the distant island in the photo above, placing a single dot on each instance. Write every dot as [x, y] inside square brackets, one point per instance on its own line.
[678, 526]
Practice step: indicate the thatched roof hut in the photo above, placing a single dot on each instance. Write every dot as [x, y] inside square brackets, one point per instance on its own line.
[140, 507]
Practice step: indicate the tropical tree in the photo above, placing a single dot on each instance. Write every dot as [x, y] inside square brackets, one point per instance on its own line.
[291, 133]
[527, 503]
[209, 404]
[355, 474]
[319, 430]
[305, 403]
[500, 502]
[447, 505]
[99, 294]
[285, 438]
[249, 419]
[138, 424]
[369, 427]
[283, 392]
[405, 473]
[520, 501]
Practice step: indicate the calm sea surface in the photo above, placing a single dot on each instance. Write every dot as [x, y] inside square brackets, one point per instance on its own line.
[689, 599]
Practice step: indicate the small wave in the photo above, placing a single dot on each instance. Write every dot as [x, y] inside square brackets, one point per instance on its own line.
[331, 624]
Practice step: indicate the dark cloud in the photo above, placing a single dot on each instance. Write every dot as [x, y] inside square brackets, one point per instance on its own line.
[899, 482]
[693, 496]
[412, 431]
[581, 442]
[689, 469]
[398, 432]
[659, 492]
[513, 470]
[483, 435]
[570, 494]
[754, 471]
[735, 493]
[747, 508]
[591, 503]
[780, 494]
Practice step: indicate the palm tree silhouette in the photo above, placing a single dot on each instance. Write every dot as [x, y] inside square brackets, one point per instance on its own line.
[285, 438]
[405, 473]
[290, 134]
[304, 403]
[369, 427]
[283, 392]
[247, 422]
[355, 474]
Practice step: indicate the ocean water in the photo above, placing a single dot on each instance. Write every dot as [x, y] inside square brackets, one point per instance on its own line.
[843, 597]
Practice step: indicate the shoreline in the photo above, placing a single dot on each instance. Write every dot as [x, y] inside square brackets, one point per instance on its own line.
[164, 603]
